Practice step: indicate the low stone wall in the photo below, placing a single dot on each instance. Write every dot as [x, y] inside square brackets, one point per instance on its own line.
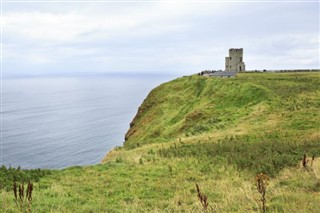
[296, 70]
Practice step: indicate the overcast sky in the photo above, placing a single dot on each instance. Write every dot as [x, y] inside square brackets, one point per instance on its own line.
[156, 37]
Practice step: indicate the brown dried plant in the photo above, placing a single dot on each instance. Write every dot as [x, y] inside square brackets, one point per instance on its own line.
[304, 161]
[21, 199]
[312, 160]
[15, 192]
[29, 195]
[202, 198]
[262, 181]
[307, 161]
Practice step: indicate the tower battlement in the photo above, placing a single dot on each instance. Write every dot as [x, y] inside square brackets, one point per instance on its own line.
[234, 50]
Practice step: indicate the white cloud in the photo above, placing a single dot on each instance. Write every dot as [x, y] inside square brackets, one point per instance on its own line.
[157, 18]
[38, 59]
[158, 36]
[43, 26]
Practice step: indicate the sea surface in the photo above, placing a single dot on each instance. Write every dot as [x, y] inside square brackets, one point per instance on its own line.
[66, 121]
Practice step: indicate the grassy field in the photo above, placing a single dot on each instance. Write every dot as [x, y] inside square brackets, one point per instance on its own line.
[218, 133]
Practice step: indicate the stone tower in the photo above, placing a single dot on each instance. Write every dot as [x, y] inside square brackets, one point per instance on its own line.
[235, 60]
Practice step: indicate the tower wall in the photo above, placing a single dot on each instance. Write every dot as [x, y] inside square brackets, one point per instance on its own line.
[235, 60]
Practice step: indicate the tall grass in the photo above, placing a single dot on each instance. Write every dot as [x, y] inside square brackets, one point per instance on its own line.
[267, 155]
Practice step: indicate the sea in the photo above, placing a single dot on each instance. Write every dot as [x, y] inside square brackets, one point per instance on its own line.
[58, 122]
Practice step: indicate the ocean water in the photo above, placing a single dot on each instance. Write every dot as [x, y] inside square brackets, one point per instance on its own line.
[61, 122]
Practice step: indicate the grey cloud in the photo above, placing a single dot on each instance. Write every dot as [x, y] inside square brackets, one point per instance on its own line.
[183, 39]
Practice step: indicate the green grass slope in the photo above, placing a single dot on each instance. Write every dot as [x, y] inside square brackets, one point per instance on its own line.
[196, 105]
[218, 133]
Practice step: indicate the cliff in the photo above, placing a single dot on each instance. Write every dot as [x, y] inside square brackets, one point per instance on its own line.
[196, 105]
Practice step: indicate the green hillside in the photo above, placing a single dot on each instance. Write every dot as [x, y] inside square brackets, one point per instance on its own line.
[192, 106]
[218, 133]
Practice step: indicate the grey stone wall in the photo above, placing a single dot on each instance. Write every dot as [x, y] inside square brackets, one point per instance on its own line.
[234, 62]
[293, 70]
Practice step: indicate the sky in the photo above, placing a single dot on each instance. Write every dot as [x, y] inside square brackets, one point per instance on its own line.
[155, 37]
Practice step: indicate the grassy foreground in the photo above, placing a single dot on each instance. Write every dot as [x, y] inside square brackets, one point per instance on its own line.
[217, 133]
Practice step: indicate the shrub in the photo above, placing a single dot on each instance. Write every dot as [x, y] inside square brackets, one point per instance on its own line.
[10, 175]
